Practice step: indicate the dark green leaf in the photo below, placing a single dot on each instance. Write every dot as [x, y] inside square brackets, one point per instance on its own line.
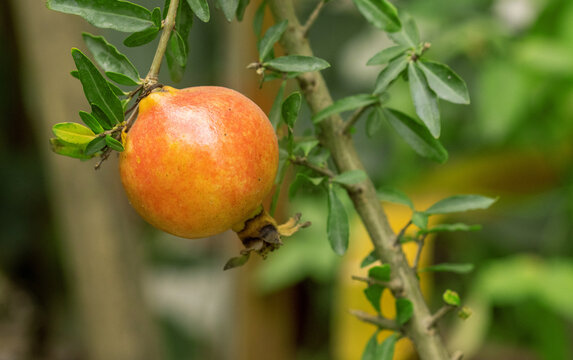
[387, 54]
[370, 349]
[177, 48]
[420, 219]
[369, 259]
[394, 196]
[73, 133]
[141, 37]
[416, 135]
[200, 9]
[374, 121]
[408, 35]
[385, 350]
[110, 59]
[76, 151]
[236, 261]
[297, 63]
[96, 88]
[113, 143]
[451, 298]
[118, 15]
[380, 13]
[258, 18]
[156, 17]
[115, 89]
[345, 104]
[300, 180]
[459, 203]
[272, 35]
[350, 177]
[425, 101]
[337, 223]
[445, 82]
[373, 295]
[381, 273]
[101, 117]
[447, 267]
[121, 79]
[242, 8]
[452, 228]
[290, 109]
[229, 8]
[75, 74]
[306, 146]
[95, 145]
[91, 122]
[275, 113]
[404, 310]
[390, 73]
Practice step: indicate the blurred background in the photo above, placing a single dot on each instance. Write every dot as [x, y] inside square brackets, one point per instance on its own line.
[82, 277]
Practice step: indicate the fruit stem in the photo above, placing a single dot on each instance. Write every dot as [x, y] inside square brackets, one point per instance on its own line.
[169, 25]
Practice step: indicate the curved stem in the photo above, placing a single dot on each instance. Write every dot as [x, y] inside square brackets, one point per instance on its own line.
[168, 26]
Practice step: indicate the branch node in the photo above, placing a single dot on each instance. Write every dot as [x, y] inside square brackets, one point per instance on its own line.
[443, 311]
[377, 320]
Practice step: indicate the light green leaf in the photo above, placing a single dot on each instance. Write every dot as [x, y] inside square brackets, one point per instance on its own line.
[459, 203]
[96, 88]
[387, 54]
[141, 37]
[337, 223]
[91, 122]
[290, 109]
[110, 59]
[76, 151]
[416, 135]
[394, 196]
[385, 350]
[113, 143]
[451, 298]
[275, 113]
[118, 15]
[390, 73]
[95, 145]
[374, 121]
[404, 310]
[448, 267]
[380, 13]
[445, 83]
[425, 101]
[370, 349]
[73, 133]
[408, 35]
[350, 177]
[373, 295]
[381, 273]
[272, 35]
[345, 104]
[297, 63]
[200, 9]
[420, 219]
[229, 8]
[452, 228]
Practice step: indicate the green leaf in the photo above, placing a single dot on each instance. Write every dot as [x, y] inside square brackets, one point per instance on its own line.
[464, 313]
[101, 117]
[447, 267]
[300, 180]
[73, 133]
[275, 113]
[451, 298]
[96, 88]
[387, 54]
[236, 261]
[272, 35]
[452, 228]
[156, 17]
[116, 90]
[337, 223]
[404, 310]
[121, 79]
[381, 273]
[241, 8]
[394, 196]
[95, 145]
[113, 143]
[373, 295]
[110, 59]
[370, 349]
[76, 151]
[416, 135]
[425, 101]
[141, 37]
[290, 109]
[283, 166]
[91, 122]
[306, 146]
[459, 203]
[385, 350]
[297, 63]
[420, 219]
[229, 8]
[369, 259]
[200, 9]
[177, 49]
[408, 35]
[118, 15]
[350, 177]
[374, 121]
[445, 82]
[258, 18]
[380, 13]
[390, 73]
[345, 104]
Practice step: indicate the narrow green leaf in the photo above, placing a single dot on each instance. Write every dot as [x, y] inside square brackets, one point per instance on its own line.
[91, 122]
[258, 18]
[374, 121]
[141, 37]
[95, 145]
[371, 347]
[110, 59]
[451, 298]
[380, 13]
[420, 219]
[101, 117]
[445, 82]
[381, 273]
[425, 101]
[96, 88]
[459, 203]
[345, 104]
[200, 9]
[373, 295]
[387, 54]
[76, 151]
[350, 177]
[390, 73]
[118, 15]
[121, 79]
[416, 135]
[116, 90]
[272, 35]
[73, 133]
[156, 17]
[369, 259]
[297, 63]
[290, 109]
[113, 143]
[448, 267]
[452, 228]
[236, 261]
[408, 35]
[241, 8]
[229, 8]
[337, 223]
[394, 196]
[385, 350]
[178, 49]
[404, 310]
[275, 113]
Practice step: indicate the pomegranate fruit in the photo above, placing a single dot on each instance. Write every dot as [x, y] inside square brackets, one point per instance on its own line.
[198, 161]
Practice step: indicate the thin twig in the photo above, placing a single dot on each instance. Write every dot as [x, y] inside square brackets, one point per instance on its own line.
[354, 118]
[443, 311]
[312, 17]
[401, 233]
[392, 284]
[319, 169]
[419, 252]
[377, 320]
[168, 27]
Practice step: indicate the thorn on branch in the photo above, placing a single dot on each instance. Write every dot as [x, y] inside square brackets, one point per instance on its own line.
[419, 252]
[354, 119]
[395, 285]
[377, 320]
[443, 311]
[312, 18]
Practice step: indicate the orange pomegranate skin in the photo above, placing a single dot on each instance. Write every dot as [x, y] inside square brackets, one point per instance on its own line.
[198, 161]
